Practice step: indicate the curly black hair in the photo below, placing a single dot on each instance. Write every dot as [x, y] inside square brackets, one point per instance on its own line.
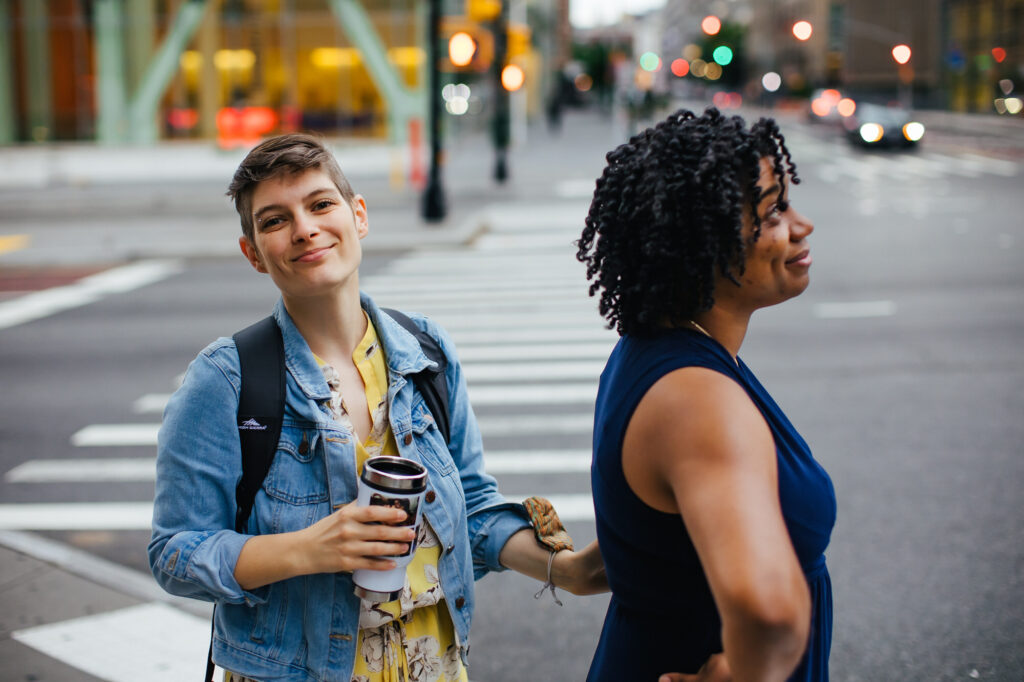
[667, 213]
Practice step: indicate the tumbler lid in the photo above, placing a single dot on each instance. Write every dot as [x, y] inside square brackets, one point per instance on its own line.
[395, 474]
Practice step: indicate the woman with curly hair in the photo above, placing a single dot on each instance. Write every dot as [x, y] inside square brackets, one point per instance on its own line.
[712, 514]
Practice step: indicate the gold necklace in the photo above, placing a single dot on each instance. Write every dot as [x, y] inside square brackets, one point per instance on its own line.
[701, 329]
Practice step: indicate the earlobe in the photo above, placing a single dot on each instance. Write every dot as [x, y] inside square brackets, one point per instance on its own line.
[251, 254]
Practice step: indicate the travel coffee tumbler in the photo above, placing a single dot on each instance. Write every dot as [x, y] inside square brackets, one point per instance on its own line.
[394, 482]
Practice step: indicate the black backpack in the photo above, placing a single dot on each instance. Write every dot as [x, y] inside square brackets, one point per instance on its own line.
[261, 405]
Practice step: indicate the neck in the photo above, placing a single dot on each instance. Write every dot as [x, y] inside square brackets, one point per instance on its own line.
[726, 327]
[332, 325]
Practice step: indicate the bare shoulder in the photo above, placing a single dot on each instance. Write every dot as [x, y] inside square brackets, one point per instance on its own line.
[692, 422]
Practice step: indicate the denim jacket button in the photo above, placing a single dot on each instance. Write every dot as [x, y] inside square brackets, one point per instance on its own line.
[430, 496]
[460, 602]
[451, 548]
[408, 439]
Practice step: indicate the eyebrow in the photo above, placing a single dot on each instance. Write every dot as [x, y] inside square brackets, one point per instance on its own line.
[271, 207]
[774, 189]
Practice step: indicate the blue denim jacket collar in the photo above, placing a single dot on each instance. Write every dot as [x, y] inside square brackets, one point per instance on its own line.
[404, 355]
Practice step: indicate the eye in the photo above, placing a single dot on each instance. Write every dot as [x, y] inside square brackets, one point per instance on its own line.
[271, 223]
[322, 204]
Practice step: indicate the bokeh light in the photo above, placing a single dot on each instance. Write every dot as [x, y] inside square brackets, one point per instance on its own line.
[722, 55]
[802, 30]
[871, 132]
[901, 53]
[713, 71]
[649, 61]
[711, 25]
[691, 52]
[999, 54]
[461, 48]
[680, 67]
[771, 81]
[913, 131]
[512, 77]
[698, 67]
[846, 107]
[583, 82]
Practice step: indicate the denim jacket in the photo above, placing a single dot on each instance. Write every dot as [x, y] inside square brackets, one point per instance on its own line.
[304, 628]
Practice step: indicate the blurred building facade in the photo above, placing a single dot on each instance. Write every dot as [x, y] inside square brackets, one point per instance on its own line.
[219, 69]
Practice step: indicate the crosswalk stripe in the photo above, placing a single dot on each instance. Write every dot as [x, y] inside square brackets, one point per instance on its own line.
[153, 642]
[576, 351]
[534, 394]
[84, 470]
[110, 469]
[39, 304]
[105, 435]
[574, 293]
[477, 373]
[383, 286]
[77, 516]
[456, 320]
[477, 337]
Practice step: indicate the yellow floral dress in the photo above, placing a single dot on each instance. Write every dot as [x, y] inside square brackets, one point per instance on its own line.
[411, 639]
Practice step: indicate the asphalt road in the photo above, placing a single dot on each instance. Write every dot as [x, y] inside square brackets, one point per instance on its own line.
[901, 366]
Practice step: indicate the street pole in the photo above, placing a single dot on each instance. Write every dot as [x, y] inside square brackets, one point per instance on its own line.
[434, 206]
[501, 96]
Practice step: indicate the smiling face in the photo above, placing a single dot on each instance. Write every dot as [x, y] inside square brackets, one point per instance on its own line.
[777, 264]
[306, 235]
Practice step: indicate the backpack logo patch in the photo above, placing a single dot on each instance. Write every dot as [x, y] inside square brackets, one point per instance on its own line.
[251, 425]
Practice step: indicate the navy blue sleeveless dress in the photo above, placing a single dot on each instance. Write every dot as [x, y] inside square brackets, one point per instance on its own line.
[662, 617]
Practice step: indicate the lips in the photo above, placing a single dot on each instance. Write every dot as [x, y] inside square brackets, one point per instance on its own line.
[311, 255]
[802, 259]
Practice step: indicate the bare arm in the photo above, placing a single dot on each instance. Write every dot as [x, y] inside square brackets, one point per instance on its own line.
[579, 572]
[698, 446]
[347, 540]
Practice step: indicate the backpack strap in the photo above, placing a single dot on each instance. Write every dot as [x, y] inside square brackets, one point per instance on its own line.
[431, 383]
[260, 408]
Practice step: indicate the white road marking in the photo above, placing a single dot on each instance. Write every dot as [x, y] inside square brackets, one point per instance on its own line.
[544, 351]
[537, 424]
[77, 516]
[570, 507]
[536, 461]
[151, 403]
[527, 334]
[151, 642]
[478, 373]
[83, 470]
[87, 290]
[854, 309]
[104, 435]
[533, 394]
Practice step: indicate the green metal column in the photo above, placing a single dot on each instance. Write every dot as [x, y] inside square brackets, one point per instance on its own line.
[111, 94]
[37, 61]
[403, 104]
[142, 111]
[140, 28]
[7, 127]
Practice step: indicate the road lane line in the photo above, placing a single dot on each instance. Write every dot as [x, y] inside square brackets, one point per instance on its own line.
[534, 394]
[13, 242]
[500, 372]
[153, 642]
[104, 435]
[77, 516]
[87, 290]
[542, 351]
[854, 309]
[570, 507]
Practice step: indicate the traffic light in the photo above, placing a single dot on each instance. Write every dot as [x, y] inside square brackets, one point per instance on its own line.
[470, 46]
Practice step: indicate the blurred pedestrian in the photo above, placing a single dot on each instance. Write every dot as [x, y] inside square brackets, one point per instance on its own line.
[283, 588]
[712, 514]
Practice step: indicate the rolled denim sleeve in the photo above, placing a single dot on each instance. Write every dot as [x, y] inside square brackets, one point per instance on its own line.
[194, 548]
[492, 519]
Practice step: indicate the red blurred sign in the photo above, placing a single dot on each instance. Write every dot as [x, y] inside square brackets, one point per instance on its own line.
[243, 127]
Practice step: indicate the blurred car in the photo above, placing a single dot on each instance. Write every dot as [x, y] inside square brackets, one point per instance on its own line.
[873, 125]
[830, 106]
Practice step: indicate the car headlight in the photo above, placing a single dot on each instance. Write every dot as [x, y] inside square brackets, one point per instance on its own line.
[913, 131]
[871, 132]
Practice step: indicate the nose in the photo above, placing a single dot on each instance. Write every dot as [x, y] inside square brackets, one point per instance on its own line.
[801, 226]
[304, 227]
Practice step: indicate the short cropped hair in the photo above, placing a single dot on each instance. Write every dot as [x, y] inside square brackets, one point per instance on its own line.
[667, 216]
[283, 155]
